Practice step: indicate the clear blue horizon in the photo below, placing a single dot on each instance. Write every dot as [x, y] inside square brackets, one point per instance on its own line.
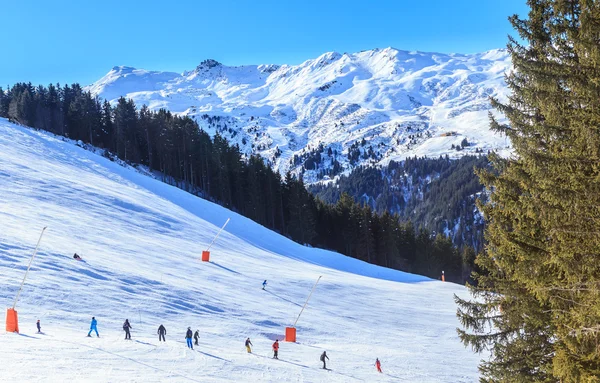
[69, 41]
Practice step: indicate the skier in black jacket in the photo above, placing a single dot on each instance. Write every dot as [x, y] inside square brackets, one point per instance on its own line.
[323, 356]
[196, 337]
[126, 327]
[188, 338]
[161, 333]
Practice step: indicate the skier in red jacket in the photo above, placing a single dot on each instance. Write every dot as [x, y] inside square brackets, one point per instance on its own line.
[378, 364]
[275, 349]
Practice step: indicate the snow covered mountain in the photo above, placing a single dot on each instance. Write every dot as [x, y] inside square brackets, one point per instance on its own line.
[140, 240]
[331, 114]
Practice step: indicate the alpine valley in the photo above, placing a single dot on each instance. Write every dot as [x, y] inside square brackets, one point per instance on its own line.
[330, 118]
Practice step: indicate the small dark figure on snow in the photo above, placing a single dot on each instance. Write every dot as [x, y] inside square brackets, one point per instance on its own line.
[94, 327]
[188, 338]
[161, 333]
[323, 357]
[196, 337]
[264, 284]
[248, 344]
[77, 257]
[276, 349]
[378, 364]
[39, 326]
[127, 327]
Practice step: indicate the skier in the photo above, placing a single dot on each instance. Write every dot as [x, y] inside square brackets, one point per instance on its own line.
[126, 327]
[94, 327]
[275, 349]
[264, 284]
[248, 344]
[378, 364]
[39, 326]
[188, 338]
[323, 356]
[161, 333]
[196, 337]
[77, 257]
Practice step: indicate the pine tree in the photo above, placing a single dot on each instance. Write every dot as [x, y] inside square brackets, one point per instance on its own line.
[4, 101]
[539, 284]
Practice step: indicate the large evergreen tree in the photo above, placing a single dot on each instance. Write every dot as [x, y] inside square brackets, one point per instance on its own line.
[539, 285]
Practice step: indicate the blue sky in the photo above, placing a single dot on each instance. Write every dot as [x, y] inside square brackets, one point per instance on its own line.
[79, 41]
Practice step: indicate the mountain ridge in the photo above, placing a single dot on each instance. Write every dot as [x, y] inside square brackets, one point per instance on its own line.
[339, 110]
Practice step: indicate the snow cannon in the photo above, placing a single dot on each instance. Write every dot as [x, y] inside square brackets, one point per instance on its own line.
[290, 334]
[12, 321]
[206, 253]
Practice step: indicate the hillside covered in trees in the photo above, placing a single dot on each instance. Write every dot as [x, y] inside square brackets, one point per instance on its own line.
[438, 194]
[179, 152]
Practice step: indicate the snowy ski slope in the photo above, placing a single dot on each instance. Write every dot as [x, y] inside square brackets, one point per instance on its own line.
[141, 241]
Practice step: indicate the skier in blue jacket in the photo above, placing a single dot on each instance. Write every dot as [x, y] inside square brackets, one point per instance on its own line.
[264, 284]
[94, 327]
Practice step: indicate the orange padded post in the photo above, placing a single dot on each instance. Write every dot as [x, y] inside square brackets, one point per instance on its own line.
[12, 321]
[290, 334]
[443, 276]
[205, 256]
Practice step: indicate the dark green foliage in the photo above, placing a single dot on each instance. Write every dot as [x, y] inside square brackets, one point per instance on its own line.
[187, 157]
[433, 193]
[539, 287]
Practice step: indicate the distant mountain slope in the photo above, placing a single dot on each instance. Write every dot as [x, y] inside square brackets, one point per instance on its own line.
[438, 194]
[328, 115]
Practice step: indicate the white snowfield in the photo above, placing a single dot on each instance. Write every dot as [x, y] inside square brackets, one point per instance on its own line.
[401, 103]
[141, 242]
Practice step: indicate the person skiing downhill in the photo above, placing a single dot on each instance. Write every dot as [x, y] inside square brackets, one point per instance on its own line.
[196, 337]
[127, 327]
[188, 338]
[264, 284]
[94, 327]
[378, 365]
[323, 356]
[276, 349]
[248, 344]
[39, 326]
[161, 333]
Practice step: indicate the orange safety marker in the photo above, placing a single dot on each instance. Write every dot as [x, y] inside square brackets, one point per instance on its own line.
[205, 256]
[290, 334]
[12, 321]
[443, 276]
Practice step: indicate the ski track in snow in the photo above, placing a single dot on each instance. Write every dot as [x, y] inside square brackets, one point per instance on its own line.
[141, 241]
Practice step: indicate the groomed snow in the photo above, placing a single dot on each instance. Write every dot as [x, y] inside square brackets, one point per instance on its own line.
[141, 241]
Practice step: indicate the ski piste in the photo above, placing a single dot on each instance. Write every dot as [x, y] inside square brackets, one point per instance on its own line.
[141, 240]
